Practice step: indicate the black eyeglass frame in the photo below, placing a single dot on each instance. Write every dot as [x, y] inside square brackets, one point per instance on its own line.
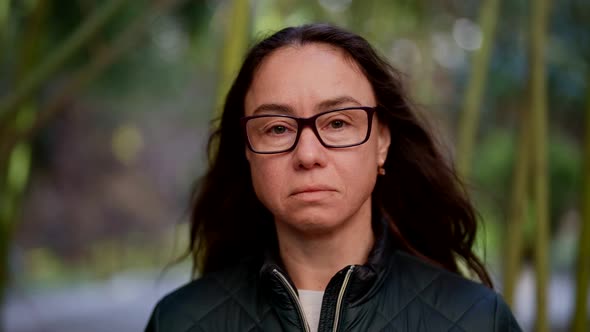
[302, 123]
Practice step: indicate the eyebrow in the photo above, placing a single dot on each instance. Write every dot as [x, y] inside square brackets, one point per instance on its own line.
[338, 101]
[324, 105]
[274, 108]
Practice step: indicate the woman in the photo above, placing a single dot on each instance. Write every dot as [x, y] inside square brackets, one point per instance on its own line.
[327, 206]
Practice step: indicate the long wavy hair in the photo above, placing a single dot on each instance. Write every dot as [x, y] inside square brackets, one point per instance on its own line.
[421, 197]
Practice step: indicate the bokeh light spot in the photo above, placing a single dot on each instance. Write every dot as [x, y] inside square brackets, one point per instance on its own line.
[335, 6]
[127, 143]
[467, 34]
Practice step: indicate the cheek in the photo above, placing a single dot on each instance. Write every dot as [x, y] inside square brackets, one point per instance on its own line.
[266, 179]
[359, 170]
[368, 158]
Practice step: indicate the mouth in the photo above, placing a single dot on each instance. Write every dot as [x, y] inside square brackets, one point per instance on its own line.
[308, 190]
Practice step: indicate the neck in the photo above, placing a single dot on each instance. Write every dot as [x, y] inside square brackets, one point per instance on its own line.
[313, 259]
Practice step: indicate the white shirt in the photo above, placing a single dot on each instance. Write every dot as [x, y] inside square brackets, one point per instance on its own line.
[311, 301]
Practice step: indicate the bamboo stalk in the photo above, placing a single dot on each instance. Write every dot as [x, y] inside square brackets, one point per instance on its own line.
[469, 120]
[538, 27]
[14, 173]
[4, 11]
[518, 205]
[4, 19]
[236, 39]
[580, 320]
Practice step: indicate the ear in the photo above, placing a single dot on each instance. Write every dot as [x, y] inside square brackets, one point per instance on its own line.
[383, 142]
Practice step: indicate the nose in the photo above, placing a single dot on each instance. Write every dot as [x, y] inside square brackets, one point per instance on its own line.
[309, 152]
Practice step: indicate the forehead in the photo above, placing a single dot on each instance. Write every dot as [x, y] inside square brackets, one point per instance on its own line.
[304, 76]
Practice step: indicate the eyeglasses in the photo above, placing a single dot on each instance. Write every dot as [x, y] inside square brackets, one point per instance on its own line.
[340, 128]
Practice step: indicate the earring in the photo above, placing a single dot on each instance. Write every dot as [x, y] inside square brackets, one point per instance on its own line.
[381, 170]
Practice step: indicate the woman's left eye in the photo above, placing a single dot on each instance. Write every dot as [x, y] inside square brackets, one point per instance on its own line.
[337, 124]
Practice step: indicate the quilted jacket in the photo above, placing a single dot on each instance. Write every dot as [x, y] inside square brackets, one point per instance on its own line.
[393, 291]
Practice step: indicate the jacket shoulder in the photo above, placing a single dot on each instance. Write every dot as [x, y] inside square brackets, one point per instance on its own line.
[204, 304]
[450, 299]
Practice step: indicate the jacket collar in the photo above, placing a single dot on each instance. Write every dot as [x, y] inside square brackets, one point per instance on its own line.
[368, 278]
[365, 281]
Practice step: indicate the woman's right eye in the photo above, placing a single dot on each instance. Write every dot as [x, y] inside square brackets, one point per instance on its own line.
[278, 129]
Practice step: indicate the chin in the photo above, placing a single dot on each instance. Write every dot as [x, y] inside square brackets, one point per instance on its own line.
[314, 223]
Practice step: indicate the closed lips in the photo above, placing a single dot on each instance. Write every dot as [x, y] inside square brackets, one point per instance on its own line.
[310, 189]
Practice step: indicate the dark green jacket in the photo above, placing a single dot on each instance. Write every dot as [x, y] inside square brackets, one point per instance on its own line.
[394, 291]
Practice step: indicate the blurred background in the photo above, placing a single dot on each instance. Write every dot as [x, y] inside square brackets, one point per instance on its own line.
[106, 106]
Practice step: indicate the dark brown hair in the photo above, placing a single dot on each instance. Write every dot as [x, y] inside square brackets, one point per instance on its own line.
[421, 197]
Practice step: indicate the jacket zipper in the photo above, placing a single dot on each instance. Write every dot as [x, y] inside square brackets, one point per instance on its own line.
[294, 296]
[341, 297]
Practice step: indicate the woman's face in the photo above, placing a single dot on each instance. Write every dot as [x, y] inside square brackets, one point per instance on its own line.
[312, 188]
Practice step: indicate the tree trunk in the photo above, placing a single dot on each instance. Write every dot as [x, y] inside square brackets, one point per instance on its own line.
[468, 122]
[538, 27]
[580, 321]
